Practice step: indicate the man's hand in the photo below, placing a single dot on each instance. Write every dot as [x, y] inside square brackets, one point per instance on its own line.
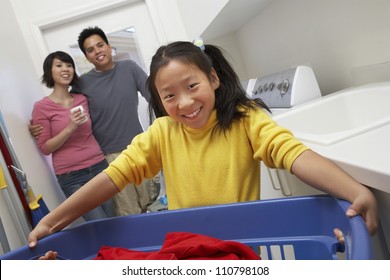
[35, 130]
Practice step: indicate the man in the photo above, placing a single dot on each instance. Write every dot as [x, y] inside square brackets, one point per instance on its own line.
[112, 90]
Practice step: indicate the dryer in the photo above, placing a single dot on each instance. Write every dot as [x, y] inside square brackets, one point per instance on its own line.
[281, 92]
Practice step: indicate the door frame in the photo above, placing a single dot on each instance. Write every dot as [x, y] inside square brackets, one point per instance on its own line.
[37, 28]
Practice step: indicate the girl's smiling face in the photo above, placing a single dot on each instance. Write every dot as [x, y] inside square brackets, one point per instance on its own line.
[187, 94]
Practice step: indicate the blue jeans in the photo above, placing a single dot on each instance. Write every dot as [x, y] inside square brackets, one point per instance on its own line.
[74, 180]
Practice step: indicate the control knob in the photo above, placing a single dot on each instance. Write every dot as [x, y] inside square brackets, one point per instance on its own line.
[283, 87]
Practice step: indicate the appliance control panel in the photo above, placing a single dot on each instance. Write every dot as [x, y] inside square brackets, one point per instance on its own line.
[286, 88]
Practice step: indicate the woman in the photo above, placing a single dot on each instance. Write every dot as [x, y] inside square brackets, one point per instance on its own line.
[67, 132]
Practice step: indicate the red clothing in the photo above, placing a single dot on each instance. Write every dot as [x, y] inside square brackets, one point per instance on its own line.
[184, 246]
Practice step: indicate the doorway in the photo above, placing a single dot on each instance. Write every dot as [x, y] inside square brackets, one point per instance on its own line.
[131, 21]
[129, 30]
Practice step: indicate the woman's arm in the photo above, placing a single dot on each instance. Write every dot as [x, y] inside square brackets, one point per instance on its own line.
[56, 142]
[92, 194]
[326, 176]
[41, 128]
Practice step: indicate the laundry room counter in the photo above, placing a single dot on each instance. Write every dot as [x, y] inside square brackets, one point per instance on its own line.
[352, 129]
[366, 157]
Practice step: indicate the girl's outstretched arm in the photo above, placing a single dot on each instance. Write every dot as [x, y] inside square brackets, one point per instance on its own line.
[326, 176]
[95, 192]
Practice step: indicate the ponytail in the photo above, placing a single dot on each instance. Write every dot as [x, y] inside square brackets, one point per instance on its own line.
[230, 95]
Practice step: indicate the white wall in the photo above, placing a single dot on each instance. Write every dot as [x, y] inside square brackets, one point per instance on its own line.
[342, 40]
[232, 51]
[19, 89]
[196, 17]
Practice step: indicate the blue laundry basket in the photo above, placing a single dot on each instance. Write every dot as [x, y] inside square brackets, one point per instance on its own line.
[289, 228]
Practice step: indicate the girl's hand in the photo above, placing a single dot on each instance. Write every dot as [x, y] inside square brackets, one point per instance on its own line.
[326, 176]
[365, 205]
[50, 255]
[41, 230]
[339, 235]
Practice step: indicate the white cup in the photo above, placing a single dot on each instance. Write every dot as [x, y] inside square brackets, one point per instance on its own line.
[81, 108]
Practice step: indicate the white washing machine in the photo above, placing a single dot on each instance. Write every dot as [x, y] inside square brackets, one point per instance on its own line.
[282, 91]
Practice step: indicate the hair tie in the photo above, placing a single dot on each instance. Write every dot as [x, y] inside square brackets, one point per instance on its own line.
[199, 43]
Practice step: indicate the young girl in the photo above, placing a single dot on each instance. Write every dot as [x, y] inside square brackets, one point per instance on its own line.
[67, 133]
[209, 139]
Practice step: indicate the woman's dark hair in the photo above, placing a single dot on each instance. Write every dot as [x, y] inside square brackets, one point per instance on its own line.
[47, 77]
[228, 97]
[88, 32]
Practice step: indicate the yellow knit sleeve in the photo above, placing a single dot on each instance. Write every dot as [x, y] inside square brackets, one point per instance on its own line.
[276, 146]
[141, 159]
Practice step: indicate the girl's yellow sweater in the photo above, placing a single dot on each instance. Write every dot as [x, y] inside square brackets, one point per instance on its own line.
[205, 168]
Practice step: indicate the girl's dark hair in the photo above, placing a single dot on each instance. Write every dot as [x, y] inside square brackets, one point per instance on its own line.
[228, 97]
[47, 77]
[88, 32]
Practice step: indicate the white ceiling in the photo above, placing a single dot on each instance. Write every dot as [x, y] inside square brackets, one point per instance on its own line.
[234, 15]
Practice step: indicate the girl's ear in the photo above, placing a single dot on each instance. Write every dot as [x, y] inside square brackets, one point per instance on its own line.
[214, 79]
